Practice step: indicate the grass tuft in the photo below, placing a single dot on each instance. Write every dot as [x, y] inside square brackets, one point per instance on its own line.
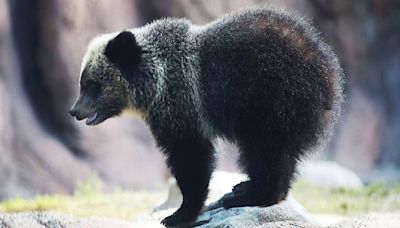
[347, 201]
[88, 200]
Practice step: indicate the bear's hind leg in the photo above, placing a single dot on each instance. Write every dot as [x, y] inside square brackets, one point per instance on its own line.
[270, 170]
[191, 162]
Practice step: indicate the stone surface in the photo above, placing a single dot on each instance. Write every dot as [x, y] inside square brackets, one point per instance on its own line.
[288, 213]
[220, 184]
[52, 220]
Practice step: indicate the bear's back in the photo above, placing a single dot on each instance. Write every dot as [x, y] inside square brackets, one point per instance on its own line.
[266, 66]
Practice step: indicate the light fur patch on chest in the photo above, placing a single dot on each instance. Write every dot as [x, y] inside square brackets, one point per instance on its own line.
[134, 113]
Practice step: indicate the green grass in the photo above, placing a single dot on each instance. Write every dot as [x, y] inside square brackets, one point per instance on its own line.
[347, 201]
[88, 200]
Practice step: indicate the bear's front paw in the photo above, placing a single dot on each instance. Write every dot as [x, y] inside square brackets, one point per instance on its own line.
[170, 221]
[178, 220]
[242, 187]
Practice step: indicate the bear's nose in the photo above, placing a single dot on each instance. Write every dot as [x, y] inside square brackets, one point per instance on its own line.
[73, 112]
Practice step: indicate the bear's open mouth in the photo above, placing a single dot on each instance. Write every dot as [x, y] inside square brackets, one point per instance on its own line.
[91, 119]
[94, 118]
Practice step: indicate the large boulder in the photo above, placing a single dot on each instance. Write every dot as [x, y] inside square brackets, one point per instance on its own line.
[287, 213]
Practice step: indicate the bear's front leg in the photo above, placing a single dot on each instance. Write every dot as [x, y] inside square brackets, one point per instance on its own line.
[191, 162]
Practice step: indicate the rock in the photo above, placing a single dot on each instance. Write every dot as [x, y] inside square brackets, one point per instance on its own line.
[52, 220]
[288, 213]
[329, 174]
[285, 214]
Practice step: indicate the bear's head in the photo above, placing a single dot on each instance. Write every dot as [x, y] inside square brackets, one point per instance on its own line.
[110, 72]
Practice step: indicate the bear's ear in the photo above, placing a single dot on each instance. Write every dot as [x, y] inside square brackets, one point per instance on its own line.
[123, 51]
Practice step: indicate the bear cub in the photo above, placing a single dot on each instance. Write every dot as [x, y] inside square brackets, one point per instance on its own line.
[261, 78]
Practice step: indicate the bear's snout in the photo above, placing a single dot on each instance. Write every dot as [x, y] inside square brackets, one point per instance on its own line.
[80, 113]
[72, 112]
